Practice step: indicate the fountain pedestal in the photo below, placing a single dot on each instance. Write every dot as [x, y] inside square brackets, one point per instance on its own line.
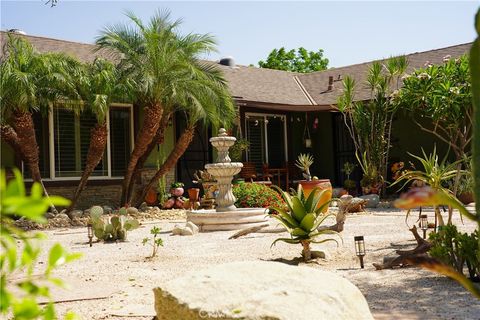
[226, 216]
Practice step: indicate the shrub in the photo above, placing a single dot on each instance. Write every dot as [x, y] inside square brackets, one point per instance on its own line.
[254, 195]
[456, 249]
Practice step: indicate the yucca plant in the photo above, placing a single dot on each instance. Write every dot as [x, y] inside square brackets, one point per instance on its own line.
[302, 218]
[304, 161]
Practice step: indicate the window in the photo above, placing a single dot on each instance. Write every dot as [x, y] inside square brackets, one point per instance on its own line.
[71, 143]
[63, 152]
[267, 136]
[120, 139]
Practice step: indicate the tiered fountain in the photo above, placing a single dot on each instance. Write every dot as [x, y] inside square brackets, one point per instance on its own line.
[226, 216]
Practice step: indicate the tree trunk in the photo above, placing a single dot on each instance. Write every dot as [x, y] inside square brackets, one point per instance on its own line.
[179, 149]
[25, 129]
[306, 253]
[158, 139]
[98, 142]
[11, 138]
[151, 122]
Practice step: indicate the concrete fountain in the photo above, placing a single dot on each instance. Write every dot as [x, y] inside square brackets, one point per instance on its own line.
[226, 216]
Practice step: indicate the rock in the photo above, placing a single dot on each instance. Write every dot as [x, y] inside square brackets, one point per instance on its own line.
[193, 227]
[144, 207]
[107, 209]
[75, 213]
[372, 200]
[177, 230]
[317, 254]
[244, 290]
[49, 215]
[86, 213]
[132, 211]
[63, 216]
[187, 232]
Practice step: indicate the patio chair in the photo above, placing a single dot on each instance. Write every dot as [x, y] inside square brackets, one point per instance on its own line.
[249, 173]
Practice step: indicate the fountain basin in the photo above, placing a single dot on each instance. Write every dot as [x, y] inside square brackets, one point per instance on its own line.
[212, 220]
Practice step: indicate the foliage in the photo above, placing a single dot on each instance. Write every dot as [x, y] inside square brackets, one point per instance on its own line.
[349, 184]
[14, 203]
[304, 161]
[255, 195]
[299, 60]
[422, 197]
[302, 217]
[348, 169]
[177, 184]
[155, 242]
[456, 249]
[371, 176]
[236, 151]
[370, 122]
[115, 228]
[443, 95]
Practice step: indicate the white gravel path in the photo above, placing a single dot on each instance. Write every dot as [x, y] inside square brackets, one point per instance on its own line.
[122, 271]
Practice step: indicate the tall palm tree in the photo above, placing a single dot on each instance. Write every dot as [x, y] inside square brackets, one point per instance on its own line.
[98, 84]
[162, 62]
[29, 82]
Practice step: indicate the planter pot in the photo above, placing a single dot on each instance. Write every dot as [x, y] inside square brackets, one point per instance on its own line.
[177, 192]
[322, 184]
[151, 197]
[466, 197]
[193, 194]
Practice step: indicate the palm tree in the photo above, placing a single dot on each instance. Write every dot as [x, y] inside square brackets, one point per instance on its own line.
[167, 75]
[98, 84]
[29, 82]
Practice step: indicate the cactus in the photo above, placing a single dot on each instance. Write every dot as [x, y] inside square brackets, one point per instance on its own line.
[96, 211]
[115, 229]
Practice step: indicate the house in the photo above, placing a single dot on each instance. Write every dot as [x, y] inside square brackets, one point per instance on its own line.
[278, 111]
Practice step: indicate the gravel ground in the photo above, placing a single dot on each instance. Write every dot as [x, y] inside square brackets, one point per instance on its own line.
[122, 272]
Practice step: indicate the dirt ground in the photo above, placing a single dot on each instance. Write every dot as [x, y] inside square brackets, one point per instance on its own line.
[115, 280]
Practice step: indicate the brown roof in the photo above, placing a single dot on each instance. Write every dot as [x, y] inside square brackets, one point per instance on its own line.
[267, 88]
[316, 83]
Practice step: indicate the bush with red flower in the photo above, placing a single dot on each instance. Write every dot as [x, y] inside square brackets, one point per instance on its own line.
[254, 195]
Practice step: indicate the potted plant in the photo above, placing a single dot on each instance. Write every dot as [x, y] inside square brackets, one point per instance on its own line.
[348, 184]
[236, 151]
[372, 181]
[304, 161]
[465, 188]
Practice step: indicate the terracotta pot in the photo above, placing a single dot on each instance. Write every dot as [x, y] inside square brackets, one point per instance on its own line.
[193, 194]
[342, 192]
[322, 184]
[466, 197]
[151, 197]
[177, 192]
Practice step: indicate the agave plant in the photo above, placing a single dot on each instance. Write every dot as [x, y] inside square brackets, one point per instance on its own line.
[303, 218]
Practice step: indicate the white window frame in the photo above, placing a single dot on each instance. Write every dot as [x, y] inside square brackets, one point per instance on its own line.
[265, 115]
[51, 140]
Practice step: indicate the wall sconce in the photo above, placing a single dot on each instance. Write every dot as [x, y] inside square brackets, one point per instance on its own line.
[424, 224]
[90, 233]
[360, 248]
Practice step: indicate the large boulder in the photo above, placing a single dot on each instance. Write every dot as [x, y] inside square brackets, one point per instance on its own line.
[260, 290]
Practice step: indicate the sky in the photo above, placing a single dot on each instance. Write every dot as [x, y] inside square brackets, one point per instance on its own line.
[348, 32]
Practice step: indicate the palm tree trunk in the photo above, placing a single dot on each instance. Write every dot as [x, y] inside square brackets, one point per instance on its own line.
[158, 139]
[179, 149]
[151, 122]
[306, 253]
[11, 138]
[98, 142]
[25, 129]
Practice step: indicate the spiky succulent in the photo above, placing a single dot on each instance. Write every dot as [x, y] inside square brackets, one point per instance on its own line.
[115, 228]
[303, 218]
[304, 161]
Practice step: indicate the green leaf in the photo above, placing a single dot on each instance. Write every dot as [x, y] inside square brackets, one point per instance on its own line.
[57, 256]
[298, 211]
[308, 221]
[37, 191]
[287, 240]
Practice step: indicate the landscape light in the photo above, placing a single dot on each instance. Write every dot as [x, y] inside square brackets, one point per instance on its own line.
[360, 248]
